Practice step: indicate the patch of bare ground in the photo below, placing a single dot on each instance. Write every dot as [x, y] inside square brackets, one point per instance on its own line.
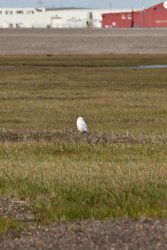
[91, 234]
[17, 209]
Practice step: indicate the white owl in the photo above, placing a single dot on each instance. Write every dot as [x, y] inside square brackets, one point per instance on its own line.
[81, 125]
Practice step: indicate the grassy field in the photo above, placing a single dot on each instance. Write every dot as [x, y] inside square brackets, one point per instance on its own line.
[54, 173]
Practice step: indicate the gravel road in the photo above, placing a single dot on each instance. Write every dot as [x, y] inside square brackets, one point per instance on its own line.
[90, 235]
[82, 41]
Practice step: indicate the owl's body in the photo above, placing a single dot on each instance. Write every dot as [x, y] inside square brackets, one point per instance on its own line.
[82, 126]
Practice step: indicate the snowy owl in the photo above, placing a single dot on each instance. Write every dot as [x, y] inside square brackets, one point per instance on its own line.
[82, 126]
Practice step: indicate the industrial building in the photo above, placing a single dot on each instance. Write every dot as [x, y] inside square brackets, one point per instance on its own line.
[155, 16]
[50, 17]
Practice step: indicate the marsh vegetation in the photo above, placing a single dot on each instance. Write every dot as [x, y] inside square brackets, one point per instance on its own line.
[53, 173]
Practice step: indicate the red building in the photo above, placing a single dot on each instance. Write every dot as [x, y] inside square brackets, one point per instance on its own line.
[155, 16]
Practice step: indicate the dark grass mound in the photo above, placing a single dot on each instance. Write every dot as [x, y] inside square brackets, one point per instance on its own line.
[74, 137]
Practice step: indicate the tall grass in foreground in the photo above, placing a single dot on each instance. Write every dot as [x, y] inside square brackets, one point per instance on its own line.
[76, 181]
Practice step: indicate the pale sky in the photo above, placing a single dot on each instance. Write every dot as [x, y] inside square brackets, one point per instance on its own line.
[102, 4]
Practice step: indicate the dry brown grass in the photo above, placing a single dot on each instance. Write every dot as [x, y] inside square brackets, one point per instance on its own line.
[48, 93]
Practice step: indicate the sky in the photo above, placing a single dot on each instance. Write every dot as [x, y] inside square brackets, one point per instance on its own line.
[100, 4]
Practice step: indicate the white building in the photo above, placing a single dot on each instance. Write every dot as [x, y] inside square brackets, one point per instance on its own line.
[54, 18]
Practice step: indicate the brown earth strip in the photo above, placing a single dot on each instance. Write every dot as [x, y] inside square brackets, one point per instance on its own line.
[107, 234]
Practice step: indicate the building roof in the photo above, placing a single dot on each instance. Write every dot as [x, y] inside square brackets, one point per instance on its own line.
[67, 8]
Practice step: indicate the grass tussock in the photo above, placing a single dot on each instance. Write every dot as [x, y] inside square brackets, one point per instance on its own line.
[119, 170]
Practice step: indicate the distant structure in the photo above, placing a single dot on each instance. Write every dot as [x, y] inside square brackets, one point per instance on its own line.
[155, 16]
[50, 18]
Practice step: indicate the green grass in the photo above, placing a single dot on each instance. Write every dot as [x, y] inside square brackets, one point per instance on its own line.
[120, 170]
[86, 181]
[9, 223]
